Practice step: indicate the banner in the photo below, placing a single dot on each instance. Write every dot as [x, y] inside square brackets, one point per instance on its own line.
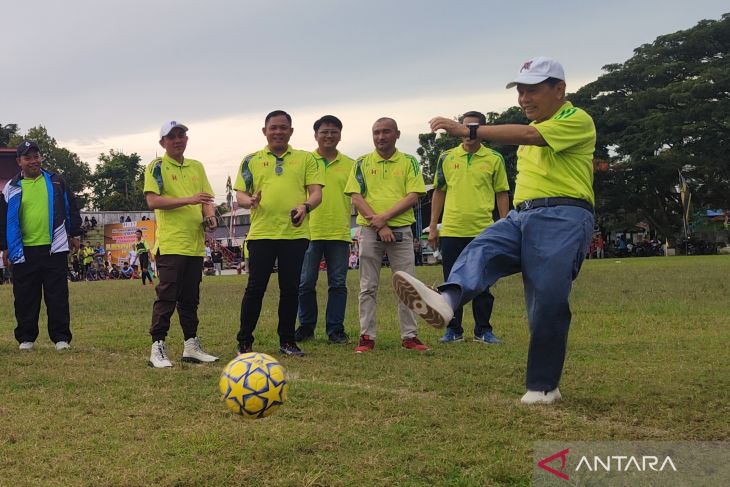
[119, 239]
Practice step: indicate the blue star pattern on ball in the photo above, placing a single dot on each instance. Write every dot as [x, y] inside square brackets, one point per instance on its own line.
[253, 385]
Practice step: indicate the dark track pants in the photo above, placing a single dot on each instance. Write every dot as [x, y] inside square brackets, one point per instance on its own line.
[262, 256]
[44, 274]
[178, 287]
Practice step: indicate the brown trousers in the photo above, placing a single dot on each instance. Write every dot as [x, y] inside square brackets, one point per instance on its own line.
[178, 287]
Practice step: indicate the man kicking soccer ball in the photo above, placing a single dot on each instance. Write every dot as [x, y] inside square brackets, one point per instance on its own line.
[545, 237]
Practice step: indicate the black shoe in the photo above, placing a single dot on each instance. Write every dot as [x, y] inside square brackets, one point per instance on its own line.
[245, 348]
[303, 333]
[338, 338]
[291, 350]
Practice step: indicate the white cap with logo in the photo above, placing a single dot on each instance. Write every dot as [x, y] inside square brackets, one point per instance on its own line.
[537, 70]
[168, 126]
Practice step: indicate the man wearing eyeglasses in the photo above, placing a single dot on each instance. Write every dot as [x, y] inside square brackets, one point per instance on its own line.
[177, 188]
[385, 185]
[281, 186]
[329, 229]
[39, 225]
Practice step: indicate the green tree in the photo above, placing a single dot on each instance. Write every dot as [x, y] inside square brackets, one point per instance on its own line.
[118, 183]
[58, 159]
[665, 109]
[431, 146]
[7, 132]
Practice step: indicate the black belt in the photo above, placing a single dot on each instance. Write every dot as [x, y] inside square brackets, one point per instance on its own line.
[558, 201]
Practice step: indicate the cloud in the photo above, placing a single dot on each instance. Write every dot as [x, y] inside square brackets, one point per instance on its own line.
[221, 143]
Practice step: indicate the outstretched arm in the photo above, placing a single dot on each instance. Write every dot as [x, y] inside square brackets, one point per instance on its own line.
[508, 134]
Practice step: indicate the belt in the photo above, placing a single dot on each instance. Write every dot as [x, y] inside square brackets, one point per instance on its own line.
[557, 201]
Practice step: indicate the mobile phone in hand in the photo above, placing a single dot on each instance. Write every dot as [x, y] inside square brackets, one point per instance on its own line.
[293, 215]
[397, 235]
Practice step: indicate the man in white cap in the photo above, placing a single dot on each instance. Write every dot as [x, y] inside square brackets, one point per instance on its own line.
[547, 234]
[177, 188]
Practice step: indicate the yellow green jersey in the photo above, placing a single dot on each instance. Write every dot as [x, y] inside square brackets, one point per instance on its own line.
[384, 182]
[283, 184]
[565, 166]
[180, 230]
[35, 222]
[331, 219]
[88, 255]
[470, 182]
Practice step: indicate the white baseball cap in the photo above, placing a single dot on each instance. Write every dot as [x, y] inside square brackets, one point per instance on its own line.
[168, 126]
[537, 70]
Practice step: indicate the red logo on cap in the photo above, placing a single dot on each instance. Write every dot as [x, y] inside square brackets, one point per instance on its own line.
[526, 66]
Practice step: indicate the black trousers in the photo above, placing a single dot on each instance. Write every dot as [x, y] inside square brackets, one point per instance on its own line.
[144, 263]
[45, 274]
[262, 256]
[178, 287]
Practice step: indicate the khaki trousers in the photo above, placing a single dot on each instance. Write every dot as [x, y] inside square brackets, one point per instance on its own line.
[401, 258]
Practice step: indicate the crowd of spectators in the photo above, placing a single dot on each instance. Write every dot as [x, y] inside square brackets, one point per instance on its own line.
[91, 263]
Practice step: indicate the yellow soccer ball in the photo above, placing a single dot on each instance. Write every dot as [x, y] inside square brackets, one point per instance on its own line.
[253, 385]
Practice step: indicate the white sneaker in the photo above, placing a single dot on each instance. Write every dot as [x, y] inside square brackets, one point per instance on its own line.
[194, 352]
[158, 356]
[541, 397]
[62, 345]
[26, 346]
[422, 300]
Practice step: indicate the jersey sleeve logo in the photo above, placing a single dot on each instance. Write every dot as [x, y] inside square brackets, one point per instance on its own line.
[360, 177]
[566, 113]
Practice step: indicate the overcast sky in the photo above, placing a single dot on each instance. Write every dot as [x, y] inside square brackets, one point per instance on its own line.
[103, 75]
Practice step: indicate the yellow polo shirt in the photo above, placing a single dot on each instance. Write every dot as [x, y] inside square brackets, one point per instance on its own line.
[470, 182]
[331, 219]
[179, 231]
[565, 166]
[280, 193]
[35, 224]
[383, 183]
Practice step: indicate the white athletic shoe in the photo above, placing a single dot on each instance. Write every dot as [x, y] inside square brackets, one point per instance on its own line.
[541, 397]
[62, 345]
[194, 352]
[422, 300]
[26, 346]
[158, 356]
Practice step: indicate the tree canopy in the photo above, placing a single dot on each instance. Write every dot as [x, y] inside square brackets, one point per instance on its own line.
[58, 159]
[118, 183]
[7, 132]
[664, 110]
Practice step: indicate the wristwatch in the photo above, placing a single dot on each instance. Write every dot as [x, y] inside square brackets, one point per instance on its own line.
[473, 130]
[308, 207]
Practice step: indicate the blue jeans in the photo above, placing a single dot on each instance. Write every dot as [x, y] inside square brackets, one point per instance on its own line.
[548, 246]
[482, 305]
[336, 255]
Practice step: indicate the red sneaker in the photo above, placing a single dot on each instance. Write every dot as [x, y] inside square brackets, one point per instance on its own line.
[414, 343]
[365, 345]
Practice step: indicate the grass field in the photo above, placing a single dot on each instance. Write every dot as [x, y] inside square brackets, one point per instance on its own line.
[648, 360]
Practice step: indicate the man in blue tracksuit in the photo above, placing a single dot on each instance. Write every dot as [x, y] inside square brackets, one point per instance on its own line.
[39, 224]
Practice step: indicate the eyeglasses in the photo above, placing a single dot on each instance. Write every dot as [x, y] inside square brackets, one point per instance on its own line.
[329, 133]
[279, 169]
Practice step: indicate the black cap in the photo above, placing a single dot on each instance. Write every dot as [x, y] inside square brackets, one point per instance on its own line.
[26, 146]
